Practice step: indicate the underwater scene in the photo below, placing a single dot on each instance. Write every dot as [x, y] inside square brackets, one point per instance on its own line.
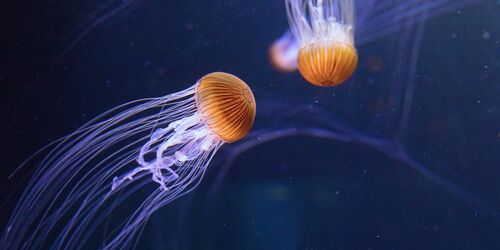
[233, 124]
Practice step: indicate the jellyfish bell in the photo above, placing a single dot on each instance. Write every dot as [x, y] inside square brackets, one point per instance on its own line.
[283, 53]
[324, 30]
[167, 141]
[226, 104]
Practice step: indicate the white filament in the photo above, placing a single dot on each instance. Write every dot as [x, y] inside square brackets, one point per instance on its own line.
[190, 134]
[321, 20]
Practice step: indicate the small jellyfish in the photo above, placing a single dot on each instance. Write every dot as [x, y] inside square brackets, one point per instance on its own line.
[283, 53]
[324, 30]
[93, 177]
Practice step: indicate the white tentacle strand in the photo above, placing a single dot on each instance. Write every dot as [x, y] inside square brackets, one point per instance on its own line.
[321, 20]
[195, 139]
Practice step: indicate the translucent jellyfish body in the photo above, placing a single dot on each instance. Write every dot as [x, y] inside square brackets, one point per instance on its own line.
[283, 53]
[99, 169]
[324, 31]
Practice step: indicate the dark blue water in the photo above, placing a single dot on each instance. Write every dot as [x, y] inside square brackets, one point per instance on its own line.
[405, 155]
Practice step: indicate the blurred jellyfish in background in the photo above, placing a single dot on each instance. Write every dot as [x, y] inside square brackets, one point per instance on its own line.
[91, 173]
[283, 53]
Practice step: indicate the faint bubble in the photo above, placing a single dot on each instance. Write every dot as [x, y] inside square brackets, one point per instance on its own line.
[486, 35]
[374, 64]
[280, 193]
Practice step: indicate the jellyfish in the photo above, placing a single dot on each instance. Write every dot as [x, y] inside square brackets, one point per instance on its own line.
[324, 30]
[90, 174]
[283, 53]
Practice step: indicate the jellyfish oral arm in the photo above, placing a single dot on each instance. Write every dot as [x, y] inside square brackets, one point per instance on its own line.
[327, 27]
[182, 141]
[311, 21]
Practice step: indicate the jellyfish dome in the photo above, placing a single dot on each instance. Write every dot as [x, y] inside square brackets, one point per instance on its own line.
[90, 174]
[324, 30]
[226, 105]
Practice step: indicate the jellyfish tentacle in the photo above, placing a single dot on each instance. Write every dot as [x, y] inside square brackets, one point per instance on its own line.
[187, 132]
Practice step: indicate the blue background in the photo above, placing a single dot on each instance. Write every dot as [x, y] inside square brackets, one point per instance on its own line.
[64, 62]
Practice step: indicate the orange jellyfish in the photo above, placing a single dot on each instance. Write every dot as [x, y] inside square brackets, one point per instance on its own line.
[324, 30]
[90, 175]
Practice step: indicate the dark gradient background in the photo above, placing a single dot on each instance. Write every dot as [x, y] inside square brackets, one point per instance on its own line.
[64, 62]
